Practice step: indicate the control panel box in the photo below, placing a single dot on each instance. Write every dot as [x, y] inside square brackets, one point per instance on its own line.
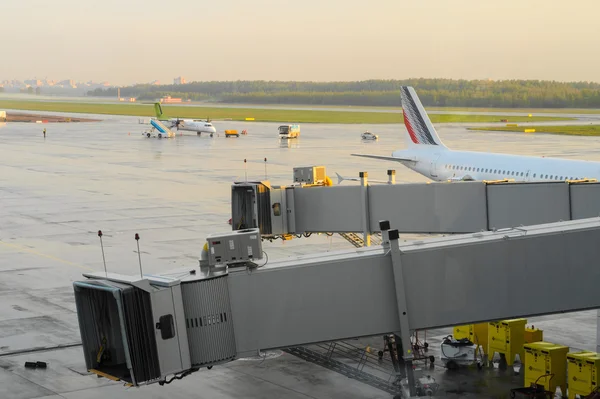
[309, 175]
[234, 247]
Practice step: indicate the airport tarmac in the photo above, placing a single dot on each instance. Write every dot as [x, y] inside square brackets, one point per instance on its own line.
[57, 192]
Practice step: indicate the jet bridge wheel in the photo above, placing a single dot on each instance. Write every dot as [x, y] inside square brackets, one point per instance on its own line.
[160, 136]
[148, 135]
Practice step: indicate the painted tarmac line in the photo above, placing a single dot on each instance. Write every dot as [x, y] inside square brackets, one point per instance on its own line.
[34, 252]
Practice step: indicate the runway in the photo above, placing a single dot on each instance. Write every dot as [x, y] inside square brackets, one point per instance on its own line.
[57, 192]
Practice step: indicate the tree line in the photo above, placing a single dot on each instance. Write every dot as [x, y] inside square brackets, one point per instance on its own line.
[433, 92]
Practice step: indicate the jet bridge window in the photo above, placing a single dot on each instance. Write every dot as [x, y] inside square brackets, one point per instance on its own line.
[276, 209]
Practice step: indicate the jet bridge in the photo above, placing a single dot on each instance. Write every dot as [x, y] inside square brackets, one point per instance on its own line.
[441, 208]
[158, 328]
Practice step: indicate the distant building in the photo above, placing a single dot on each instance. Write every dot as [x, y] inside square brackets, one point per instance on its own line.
[33, 82]
[179, 80]
[169, 99]
[155, 83]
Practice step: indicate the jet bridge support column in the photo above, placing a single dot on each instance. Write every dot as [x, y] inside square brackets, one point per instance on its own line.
[364, 205]
[400, 288]
[391, 176]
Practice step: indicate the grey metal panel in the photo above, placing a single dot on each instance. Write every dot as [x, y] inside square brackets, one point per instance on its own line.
[170, 354]
[506, 278]
[181, 331]
[290, 209]
[208, 320]
[453, 280]
[327, 209]
[516, 204]
[329, 300]
[429, 208]
[585, 200]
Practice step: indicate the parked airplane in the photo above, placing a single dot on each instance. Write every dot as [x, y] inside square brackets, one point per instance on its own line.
[427, 155]
[193, 125]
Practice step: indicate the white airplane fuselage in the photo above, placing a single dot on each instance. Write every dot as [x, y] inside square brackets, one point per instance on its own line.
[427, 155]
[191, 125]
[444, 164]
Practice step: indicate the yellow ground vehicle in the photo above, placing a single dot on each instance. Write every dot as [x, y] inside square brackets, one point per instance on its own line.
[231, 133]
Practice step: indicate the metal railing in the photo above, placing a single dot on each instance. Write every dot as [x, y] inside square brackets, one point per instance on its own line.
[354, 362]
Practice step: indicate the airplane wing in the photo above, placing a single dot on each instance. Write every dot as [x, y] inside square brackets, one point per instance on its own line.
[384, 158]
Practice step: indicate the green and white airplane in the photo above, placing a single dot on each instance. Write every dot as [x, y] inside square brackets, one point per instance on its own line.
[192, 125]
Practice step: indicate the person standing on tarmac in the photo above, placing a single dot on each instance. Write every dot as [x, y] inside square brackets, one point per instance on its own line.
[44, 132]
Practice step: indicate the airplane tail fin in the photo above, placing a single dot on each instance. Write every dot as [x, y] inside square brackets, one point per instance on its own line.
[420, 129]
[340, 178]
[158, 110]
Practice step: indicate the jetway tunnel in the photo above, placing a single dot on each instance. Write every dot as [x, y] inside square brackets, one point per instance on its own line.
[433, 208]
[157, 328]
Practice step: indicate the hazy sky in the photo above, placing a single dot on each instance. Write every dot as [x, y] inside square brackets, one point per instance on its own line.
[127, 41]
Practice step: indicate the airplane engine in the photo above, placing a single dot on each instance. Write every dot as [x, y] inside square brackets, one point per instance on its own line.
[461, 178]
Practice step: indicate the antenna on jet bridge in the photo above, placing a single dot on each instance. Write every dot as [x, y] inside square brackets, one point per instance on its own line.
[265, 168]
[246, 170]
[102, 247]
[137, 240]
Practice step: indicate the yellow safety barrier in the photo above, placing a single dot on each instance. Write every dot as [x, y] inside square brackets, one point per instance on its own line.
[498, 181]
[583, 369]
[529, 130]
[249, 119]
[507, 337]
[546, 364]
[584, 180]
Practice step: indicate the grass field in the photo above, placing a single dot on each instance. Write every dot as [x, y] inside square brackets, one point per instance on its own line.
[578, 130]
[264, 115]
[532, 111]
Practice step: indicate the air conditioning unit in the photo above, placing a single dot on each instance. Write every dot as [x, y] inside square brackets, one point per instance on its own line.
[310, 175]
[239, 246]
